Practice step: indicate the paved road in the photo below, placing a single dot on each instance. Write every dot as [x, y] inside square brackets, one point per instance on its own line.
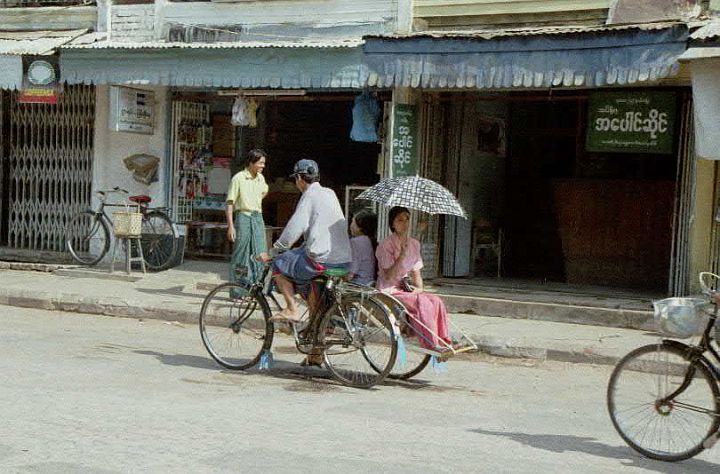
[92, 394]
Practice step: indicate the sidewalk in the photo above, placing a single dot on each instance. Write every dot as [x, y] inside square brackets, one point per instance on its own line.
[177, 294]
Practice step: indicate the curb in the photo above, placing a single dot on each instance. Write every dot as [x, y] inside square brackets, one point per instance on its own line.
[555, 312]
[116, 307]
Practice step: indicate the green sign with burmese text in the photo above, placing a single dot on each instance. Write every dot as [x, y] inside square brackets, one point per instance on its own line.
[405, 140]
[631, 122]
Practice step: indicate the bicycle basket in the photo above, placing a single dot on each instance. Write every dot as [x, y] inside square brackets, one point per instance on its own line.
[127, 223]
[681, 317]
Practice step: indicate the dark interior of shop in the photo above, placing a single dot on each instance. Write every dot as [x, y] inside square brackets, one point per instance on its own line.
[580, 217]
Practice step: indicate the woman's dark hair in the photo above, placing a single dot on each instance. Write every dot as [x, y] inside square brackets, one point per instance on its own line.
[254, 156]
[367, 222]
[394, 212]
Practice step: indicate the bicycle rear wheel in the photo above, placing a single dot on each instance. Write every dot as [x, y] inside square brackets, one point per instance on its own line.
[358, 340]
[662, 404]
[159, 240]
[87, 237]
[410, 363]
[235, 329]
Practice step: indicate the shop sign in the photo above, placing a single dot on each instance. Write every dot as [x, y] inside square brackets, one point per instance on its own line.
[40, 83]
[404, 146]
[132, 110]
[631, 122]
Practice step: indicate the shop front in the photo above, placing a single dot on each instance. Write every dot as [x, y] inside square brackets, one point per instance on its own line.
[210, 143]
[571, 150]
[46, 146]
[216, 102]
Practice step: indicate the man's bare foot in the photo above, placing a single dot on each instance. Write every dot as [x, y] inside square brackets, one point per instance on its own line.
[286, 315]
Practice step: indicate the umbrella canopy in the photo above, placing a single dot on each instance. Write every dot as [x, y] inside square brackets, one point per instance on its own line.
[416, 193]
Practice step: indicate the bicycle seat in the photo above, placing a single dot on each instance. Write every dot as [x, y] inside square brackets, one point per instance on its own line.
[142, 199]
[335, 272]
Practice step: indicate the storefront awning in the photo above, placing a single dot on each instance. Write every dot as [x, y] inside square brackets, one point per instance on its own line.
[286, 65]
[539, 58]
[15, 44]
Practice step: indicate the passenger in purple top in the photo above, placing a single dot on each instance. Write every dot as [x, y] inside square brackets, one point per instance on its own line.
[363, 243]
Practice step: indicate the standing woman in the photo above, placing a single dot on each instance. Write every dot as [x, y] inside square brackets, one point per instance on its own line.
[399, 256]
[246, 227]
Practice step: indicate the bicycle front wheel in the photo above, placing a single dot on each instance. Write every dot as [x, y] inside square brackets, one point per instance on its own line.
[87, 237]
[159, 240]
[662, 404]
[359, 341]
[235, 329]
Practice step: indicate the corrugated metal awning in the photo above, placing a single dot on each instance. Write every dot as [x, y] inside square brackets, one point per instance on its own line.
[15, 44]
[98, 41]
[580, 57]
[281, 64]
[710, 31]
[35, 42]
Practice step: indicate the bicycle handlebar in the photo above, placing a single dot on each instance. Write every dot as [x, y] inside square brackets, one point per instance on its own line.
[705, 287]
[105, 192]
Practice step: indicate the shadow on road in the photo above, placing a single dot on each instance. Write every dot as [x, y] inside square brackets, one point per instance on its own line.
[579, 444]
[283, 369]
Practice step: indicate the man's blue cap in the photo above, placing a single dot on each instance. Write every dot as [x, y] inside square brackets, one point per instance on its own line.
[306, 167]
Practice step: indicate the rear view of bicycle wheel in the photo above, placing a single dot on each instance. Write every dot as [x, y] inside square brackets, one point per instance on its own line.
[358, 340]
[235, 329]
[663, 405]
[159, 240]
[87, 237]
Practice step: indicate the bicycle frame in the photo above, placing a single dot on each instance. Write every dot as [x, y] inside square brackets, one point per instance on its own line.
[697, 354]
[332, 293]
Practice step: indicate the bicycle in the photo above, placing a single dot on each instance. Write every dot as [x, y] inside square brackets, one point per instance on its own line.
[352, 330]
[88, 234]
[663, 398]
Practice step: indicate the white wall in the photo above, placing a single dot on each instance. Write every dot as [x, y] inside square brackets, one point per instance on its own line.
[283, 12]
[112, 147]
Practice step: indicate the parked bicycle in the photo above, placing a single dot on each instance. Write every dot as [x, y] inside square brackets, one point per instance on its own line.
[355, 332]
[88, 235]
[663, 398]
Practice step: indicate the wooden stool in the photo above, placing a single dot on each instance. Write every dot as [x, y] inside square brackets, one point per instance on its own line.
[127, 242]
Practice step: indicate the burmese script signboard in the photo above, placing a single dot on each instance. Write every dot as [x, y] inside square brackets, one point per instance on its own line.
[132, 110]
[405, 149]
[631, 122]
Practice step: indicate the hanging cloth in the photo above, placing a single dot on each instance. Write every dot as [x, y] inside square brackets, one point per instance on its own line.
[240, 116]
[252, 107]
[365, 112]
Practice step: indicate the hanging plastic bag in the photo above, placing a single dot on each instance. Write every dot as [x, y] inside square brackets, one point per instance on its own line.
[365, 112]
[240, 112]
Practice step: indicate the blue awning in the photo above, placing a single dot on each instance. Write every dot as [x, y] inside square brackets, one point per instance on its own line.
[321, 65]
[610, 56]
[11, 71]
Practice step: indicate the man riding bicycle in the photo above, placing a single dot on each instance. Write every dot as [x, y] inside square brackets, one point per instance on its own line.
[318, 218]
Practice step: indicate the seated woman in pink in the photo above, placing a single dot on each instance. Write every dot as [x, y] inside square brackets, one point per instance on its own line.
[399, 255]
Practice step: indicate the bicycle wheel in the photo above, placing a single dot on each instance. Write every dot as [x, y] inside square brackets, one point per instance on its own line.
[235, 330]
[663, 405]
[354, 333]
[410, 363]
[159, 240]
[87, 237]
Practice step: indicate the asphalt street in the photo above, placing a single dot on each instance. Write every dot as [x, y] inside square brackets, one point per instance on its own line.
[95, 394]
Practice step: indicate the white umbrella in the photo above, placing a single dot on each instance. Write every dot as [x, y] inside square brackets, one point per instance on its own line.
[416, 193]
